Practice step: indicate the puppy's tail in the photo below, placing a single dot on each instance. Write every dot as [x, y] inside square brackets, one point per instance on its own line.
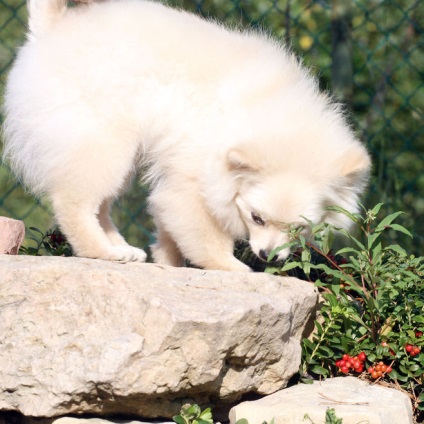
[42, 14]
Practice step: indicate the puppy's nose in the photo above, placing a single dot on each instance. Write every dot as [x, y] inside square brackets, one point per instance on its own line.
[263, 254]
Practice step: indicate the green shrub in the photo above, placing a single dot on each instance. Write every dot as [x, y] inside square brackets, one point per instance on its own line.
[372, 304]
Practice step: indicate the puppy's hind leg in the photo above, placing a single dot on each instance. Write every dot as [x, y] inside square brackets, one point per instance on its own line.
[82, 187]
[112, 232]
[107, 224]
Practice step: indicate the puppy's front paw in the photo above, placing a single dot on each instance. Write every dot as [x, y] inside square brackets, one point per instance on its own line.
[230, 264]
[130, 254]
[239, 267]
[118, 254]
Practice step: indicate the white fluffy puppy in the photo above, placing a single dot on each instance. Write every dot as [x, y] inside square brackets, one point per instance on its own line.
[233, 135]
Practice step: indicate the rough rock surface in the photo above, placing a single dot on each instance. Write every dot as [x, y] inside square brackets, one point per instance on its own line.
[12, 234]
[90, 336]
[354, 400]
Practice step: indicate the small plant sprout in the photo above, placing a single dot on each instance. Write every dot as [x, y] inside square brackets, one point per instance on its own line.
[192, 414]
[52, 243]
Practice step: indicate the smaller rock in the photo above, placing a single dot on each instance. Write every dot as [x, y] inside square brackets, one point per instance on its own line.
[71, 420]
[353, 400]
[12, 234]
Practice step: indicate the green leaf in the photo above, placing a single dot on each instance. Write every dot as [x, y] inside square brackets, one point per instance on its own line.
[201, 421]
[288, 266]
[347, 250]
[242, 421]
[331, 418]
[36, 230]
[414, 368]
[206, 415]
[396, 248]
[372, 239]
[353, 217]
[387, 221]
[376, 252]
[308, 344]
[179, 419]
[274, 252]
[306, 255]
[376, 209]
[272, 270]
[328, 352]
[328, 240]
[316, 369]
[401, 229]
[193, 409]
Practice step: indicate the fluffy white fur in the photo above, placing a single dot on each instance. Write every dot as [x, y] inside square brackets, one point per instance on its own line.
[224, 123]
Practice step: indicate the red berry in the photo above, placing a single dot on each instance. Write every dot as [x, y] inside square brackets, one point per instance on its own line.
[409, 348]
[371, 370]
[357, 364]
[362, 357]
[389, 369]
[338, 363]
[346, 357]
[344, 370]
[415, 351]
[342, 363]
[418, 334]
[384, 344]
[374, 374]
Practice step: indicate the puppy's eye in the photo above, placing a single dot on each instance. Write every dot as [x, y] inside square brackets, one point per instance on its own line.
[257, 219]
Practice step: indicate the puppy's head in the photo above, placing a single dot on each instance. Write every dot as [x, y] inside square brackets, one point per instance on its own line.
[276, 193]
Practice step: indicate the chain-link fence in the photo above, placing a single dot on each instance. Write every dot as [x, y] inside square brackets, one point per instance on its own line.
[370, 53]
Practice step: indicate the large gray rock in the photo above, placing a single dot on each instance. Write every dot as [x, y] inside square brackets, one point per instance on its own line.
[89, 336]
[354, 400]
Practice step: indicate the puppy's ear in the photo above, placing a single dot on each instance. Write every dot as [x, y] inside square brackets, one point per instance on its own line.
[356, 168]
[345, 191]
[242, 159]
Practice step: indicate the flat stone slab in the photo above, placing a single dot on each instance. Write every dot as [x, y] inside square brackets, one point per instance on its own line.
[102, 338]
[354, 400]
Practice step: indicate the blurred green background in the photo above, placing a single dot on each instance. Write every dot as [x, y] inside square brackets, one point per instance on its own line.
[369, 53]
